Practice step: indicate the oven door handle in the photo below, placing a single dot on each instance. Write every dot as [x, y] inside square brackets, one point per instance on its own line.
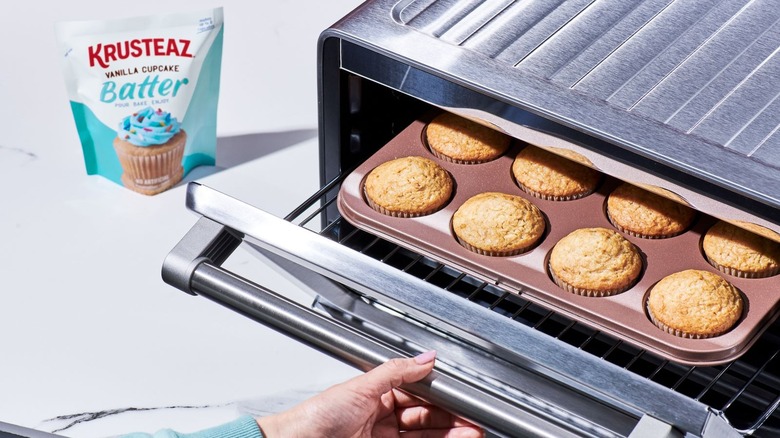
[192, 266]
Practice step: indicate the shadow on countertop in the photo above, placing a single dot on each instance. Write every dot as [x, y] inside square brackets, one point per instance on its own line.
[235, 150]
[232, 151]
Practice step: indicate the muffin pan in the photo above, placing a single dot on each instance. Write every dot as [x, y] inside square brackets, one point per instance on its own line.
[623, 315]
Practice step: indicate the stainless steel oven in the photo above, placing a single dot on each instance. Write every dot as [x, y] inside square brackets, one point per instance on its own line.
[680, 97]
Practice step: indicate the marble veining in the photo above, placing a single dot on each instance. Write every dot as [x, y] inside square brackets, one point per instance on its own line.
[70, 420]
[275, 403]
[18, 151]
[257, 407]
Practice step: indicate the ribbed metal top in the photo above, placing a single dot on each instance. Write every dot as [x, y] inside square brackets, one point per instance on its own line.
[709, 68]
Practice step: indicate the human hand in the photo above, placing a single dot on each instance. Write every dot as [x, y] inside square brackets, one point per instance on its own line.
[371, 405]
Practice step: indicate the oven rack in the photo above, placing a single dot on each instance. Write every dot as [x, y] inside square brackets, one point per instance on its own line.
[746, 390]
[502, 362]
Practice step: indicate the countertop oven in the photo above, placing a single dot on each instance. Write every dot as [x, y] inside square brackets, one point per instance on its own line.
[680, 97]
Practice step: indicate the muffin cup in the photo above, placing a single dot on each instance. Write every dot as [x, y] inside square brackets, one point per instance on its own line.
[484, 252]
[637, 234]
[741, 274]
[435, 193]
[677, 332]
[586, 292]
[546, 197]
[449, 159]
[490, 154]
[401, 214]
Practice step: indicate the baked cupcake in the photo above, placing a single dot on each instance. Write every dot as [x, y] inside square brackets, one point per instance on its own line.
[758, 229]
[458, 140]
[408, 187]
[498, 224]
[694, 304]
[638, 212]
[552, 177]
[150, 147]
[739, 252]
[595, 262]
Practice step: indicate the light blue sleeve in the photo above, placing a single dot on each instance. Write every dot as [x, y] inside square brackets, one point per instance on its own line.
[242, 427]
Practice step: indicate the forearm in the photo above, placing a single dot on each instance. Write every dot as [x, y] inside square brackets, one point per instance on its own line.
[242, 427]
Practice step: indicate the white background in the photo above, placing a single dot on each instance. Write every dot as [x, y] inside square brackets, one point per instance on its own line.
[86, 323]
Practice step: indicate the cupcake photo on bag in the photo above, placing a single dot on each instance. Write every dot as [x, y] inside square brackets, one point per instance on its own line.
[150, 147]
[143, 91]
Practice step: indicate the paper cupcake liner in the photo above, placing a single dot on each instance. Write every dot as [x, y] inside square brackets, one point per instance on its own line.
[680, 333]
[171, 181]
[554, 197]
[449, 159]
[585, 292]
[154, 173]
[739, 273]
[622, 229]
[484, 252]
[393, 213]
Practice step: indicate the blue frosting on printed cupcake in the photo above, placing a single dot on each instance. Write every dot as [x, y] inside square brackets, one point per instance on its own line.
[148, 127]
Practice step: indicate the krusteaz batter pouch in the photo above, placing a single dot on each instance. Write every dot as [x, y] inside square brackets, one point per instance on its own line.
[144, 94]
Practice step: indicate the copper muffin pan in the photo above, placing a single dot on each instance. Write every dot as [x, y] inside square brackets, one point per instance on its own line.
[623, 315]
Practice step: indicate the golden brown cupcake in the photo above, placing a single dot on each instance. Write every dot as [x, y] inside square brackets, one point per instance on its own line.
[641, 213]
[458, 140]
[694, 304]
[595, 262]
[498, 224]
[758, 229]
[550, 176]
[739, 252]
[408, 187]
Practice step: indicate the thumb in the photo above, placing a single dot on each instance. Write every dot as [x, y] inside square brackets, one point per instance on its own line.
[395, 373]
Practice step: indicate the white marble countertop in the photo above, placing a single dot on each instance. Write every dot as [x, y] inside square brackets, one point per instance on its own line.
[92, 342]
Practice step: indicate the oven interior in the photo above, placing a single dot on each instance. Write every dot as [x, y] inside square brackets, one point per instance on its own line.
[360, 115]
[369, 93]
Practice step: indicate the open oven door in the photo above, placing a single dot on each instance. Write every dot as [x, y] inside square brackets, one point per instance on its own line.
[506, 377]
